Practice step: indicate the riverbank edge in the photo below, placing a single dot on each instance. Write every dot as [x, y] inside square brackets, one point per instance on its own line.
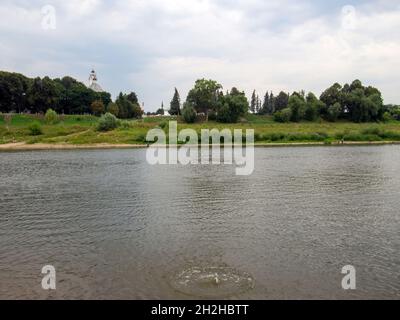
[22, 146]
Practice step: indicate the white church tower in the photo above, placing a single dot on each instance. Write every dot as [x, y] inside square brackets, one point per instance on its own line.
[93, 82]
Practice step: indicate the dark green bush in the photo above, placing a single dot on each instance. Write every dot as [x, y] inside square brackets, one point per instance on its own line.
[107, 122]
[283, 116]
[35, 129]
[387, 117]
[163, 125]
[189, 114]
[51, 117]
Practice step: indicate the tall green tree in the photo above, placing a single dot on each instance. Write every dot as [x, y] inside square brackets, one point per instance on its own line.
[98, 107]
[232, 106]
[189, 113]
[333, 112]
[175, 106]
[204, 96]
[44, 94]
[355, 101]
[363, 104]
[298, 107]
[265, 105]
[132, 97]
[268, 106]
[113, 109]
[104, 97]
[332, 95]
[258, 105]
[13, 92]
[253, 103]
[271, 104]
[281, 101]
[126, 108]
[314, 107]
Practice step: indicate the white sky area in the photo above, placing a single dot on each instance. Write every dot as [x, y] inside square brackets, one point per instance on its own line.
[152, 46]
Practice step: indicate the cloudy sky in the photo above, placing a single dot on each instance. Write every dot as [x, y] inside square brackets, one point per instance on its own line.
[152, 46]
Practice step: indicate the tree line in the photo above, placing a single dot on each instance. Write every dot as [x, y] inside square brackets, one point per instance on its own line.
[206, 100]
[21, 94]
[353, 102]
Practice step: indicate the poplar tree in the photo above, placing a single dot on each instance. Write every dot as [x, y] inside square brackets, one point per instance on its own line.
[253, 103]
[175, 109]
[265, 106]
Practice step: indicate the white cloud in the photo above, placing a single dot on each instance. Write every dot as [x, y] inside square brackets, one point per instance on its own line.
[263, 45]
[79, 8]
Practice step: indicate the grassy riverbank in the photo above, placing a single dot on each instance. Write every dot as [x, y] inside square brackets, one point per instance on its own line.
[81, 130]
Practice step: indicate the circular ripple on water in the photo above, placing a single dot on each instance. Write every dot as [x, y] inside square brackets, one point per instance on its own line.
[212, 282]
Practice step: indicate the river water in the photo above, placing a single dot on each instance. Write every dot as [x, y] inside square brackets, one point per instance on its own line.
[115, 227]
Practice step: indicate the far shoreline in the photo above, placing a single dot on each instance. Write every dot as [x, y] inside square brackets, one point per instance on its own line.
[22, 146]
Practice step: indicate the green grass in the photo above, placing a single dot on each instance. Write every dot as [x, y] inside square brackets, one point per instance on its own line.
[82, 130]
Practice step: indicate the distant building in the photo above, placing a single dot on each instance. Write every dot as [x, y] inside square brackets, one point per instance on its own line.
[93, 82]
